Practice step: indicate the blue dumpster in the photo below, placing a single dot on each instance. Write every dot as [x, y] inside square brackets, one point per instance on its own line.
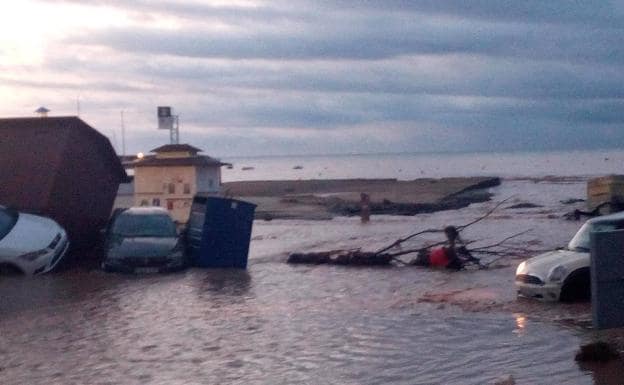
[219, 232]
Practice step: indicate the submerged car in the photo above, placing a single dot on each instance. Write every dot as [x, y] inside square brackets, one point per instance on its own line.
[30, 244]
[143, 240]
[563, 274]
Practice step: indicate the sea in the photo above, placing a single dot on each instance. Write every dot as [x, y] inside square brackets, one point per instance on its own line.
[275, 323]
[407, 166]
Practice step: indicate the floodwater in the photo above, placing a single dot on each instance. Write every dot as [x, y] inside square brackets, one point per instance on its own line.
[274, 324]
[281, 324]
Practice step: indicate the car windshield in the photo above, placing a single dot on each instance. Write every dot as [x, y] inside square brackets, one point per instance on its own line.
[130, 225]
[8, 219]
[581, 241]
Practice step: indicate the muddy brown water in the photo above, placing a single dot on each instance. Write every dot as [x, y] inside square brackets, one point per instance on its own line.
[271, 324]
[282, 324]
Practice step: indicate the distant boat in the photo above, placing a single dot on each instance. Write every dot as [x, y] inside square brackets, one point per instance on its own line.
[247, 168]
[297, 167]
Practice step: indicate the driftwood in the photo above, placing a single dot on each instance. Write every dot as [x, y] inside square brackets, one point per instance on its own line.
[610, 206]
[341, 257]
[386, 255]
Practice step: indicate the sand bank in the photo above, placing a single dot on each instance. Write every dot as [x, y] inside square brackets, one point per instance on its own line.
[324, 199]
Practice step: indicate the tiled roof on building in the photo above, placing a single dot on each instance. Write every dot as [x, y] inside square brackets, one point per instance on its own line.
[177, 148]
[197, 160]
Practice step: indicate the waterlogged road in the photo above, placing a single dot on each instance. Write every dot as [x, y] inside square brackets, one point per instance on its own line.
[282, 324]
[274, 324]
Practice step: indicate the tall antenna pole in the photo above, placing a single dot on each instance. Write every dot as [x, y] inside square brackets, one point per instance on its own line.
[174, 133]
[115, 141]
[123, 135]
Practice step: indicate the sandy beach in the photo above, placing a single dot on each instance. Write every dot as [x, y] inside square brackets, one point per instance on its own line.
[325, 199]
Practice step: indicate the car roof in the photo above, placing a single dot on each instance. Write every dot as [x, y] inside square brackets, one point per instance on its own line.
[145, 210]
[608, 218]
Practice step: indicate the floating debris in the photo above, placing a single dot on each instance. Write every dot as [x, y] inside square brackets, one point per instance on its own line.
[571, 201]
[597, 351]
[456, 256]
[341, 257]
[509, 380]
[525, 205]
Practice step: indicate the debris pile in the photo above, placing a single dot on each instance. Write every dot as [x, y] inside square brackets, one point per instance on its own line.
[460, 256]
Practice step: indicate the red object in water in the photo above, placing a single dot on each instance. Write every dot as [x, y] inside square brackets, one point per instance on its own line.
[438, 257]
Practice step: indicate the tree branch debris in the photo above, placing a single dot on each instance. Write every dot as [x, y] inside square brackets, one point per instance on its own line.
[386, 255]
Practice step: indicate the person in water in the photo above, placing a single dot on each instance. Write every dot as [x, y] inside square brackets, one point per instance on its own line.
[450, 257]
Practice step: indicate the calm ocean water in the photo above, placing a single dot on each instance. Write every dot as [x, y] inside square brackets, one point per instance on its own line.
[412, 166]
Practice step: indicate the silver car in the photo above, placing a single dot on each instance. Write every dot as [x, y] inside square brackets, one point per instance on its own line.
[143, 240]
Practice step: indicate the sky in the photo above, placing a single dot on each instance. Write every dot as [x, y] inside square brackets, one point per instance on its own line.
[289, 77]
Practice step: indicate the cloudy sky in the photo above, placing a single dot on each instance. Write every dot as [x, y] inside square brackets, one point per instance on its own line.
[310, 77]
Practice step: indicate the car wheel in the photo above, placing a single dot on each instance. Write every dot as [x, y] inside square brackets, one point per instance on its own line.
[576, 287]
[8, 269]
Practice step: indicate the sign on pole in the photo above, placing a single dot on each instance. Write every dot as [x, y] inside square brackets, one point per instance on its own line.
[165, 118]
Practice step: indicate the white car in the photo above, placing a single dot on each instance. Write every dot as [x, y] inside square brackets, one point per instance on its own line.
[30, 244]
[564, 274]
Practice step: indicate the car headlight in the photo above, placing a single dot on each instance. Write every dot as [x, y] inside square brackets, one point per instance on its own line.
[520, 268]
[34, 255]
[557, 274]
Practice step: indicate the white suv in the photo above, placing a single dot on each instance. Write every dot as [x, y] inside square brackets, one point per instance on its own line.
[564, 274]
[30, 244]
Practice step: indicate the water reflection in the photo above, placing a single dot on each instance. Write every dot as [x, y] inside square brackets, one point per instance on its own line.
[27, 293]
[520, 323]
[230, 282]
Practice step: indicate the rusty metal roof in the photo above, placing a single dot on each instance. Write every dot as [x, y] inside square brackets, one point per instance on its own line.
[62, 168]
[60, 125]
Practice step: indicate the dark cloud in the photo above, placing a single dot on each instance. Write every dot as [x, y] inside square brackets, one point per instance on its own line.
[261, 13]
[486, 78]
[107, 86]
[531, 11]
[606, 13]
[390, 37]
[355, 75]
